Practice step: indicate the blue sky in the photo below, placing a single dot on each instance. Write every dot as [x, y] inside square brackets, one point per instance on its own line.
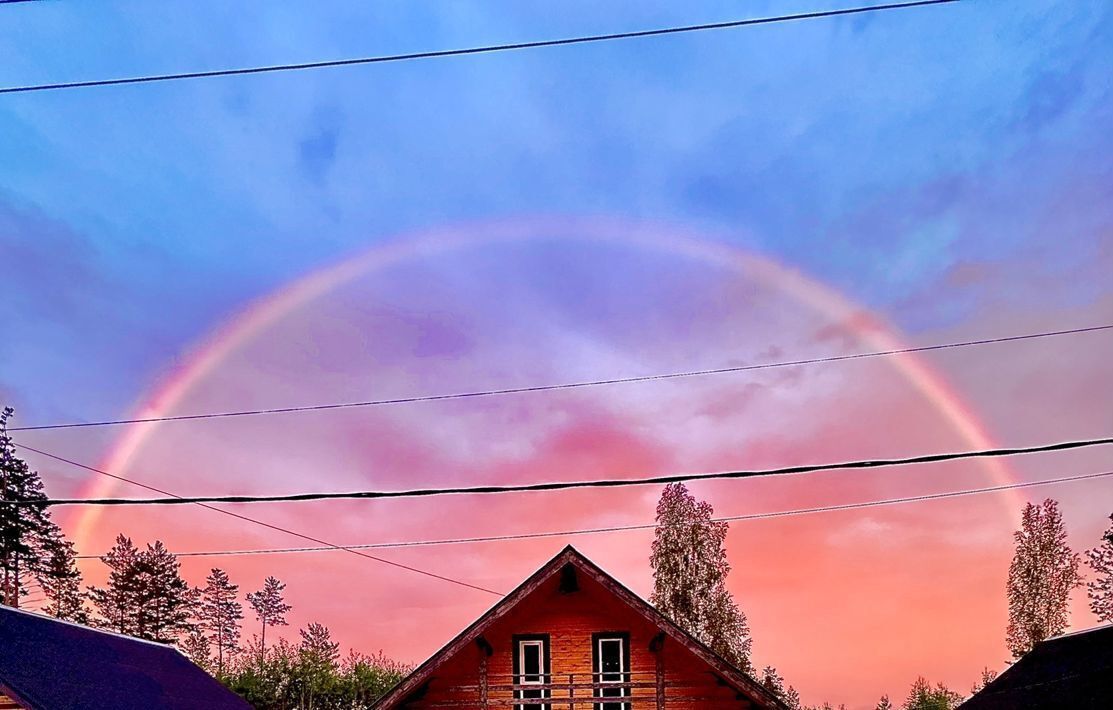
[876, 152]
[950, 168]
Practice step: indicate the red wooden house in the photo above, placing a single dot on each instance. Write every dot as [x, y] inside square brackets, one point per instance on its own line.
[571, 636]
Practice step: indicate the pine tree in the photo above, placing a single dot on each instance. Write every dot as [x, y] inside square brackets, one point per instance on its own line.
[1044, 570]
[61, 580]
[117, 603]
[221, 613]
[317, 643]
[987, 677]
[165, 600]
[884, 703]
[1100, 589]
[145, 595]
[270, 608]
[24, 526]
[196, 645]
[690, 569]
[792, 698]
[773, 682]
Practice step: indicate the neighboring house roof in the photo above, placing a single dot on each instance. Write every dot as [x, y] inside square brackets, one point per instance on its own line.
[46, 664]
[735, 677]
[1074, 671]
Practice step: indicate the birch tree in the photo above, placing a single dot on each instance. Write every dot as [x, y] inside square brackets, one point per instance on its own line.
[690, 569]
[1043, 572]
[1100, 589]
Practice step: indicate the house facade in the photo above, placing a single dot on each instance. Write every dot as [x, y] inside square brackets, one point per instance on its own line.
[571, 636]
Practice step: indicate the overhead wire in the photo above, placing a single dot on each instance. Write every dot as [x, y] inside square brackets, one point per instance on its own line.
[647, 526]
[278, 528]
[573, 385]
[173, 499]
[485, 49]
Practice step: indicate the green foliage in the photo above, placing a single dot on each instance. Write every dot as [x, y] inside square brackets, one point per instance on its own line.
[924, 697]
[311, 675]
[690, 569]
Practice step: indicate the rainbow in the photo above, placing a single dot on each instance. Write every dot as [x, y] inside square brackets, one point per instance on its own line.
[265, 312]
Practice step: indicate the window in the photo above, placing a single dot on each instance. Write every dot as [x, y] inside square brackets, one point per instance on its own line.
[611, 654]
[531, 667]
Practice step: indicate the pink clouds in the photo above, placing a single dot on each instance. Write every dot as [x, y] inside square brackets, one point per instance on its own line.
[852, 585]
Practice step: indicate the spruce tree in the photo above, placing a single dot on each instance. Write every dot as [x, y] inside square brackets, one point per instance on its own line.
[220, 615]
[117, 603]
[165, 600]
[270, 607]
[884, 703]
[196, 645]
[1043, 572]
[1100, 589]
[61, 580]
[690, 569]
[24, 525]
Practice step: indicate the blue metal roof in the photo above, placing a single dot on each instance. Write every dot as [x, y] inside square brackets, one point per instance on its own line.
[46, 664]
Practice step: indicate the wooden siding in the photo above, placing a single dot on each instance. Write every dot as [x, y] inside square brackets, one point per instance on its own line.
[570, 619]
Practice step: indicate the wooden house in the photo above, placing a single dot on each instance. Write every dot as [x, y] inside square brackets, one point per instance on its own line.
[46, 664]
[1069, 672]
[571, 636]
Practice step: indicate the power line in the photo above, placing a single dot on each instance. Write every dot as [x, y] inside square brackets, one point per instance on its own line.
[487, 49]
[573, 385]
[643, 526]
[271, 526]
[565, 485]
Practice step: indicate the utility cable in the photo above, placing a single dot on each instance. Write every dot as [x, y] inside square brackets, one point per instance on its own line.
[486, 49]
[571, 385]
[562, 485]
[644, 526]
[271, 526]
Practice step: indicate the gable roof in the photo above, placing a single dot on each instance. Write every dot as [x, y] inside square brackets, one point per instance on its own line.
[1074, 671]
[733, 676]
[47, 664]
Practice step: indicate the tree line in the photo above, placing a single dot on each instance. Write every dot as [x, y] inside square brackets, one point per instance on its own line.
[145, 596]
[690, 568]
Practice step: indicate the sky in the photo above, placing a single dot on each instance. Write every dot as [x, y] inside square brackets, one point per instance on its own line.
[746, 196]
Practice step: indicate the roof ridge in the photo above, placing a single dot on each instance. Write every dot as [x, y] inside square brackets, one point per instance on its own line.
[1079, 632]
[86, 627]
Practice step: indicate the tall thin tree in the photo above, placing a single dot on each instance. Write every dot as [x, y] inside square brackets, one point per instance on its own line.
[24, 526]
[220, 615]
[1043, 572]
[1100, 588]
[690, 569]
[270, 608]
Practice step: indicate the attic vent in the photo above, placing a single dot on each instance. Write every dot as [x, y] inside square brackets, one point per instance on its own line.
[569, 582]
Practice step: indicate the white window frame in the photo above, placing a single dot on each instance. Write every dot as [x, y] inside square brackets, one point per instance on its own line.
[539, 644]
[622, 669]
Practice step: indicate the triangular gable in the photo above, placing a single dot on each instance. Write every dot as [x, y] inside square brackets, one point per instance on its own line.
[736, 678]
